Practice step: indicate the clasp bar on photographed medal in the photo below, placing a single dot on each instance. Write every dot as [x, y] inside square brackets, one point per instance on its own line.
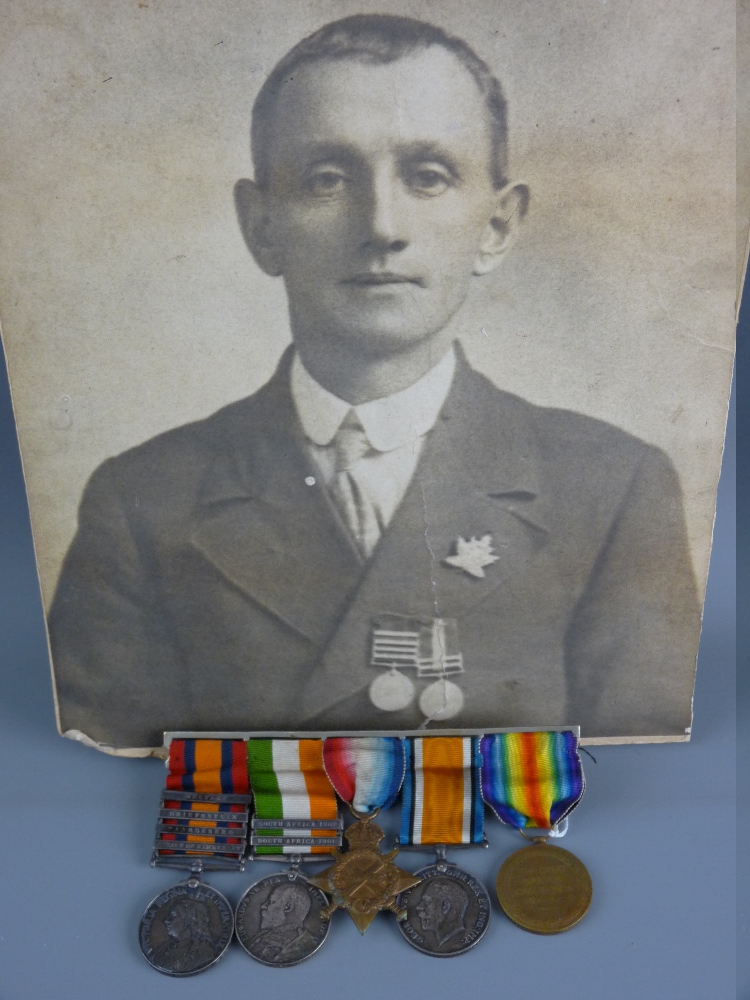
[228, 831]
[330, 830]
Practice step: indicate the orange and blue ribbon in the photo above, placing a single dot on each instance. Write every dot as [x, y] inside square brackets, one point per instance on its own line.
[531, 779]
[210, 766]
[442, 800]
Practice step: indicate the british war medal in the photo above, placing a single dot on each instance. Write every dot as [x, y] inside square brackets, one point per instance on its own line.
[367, 774]
[448, 911]
[533, 781]
[202, 825]
[280, 919]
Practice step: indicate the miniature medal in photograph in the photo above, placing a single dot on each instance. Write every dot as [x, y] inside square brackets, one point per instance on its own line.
[280, 919]
[367, 773]
[428, 649]
[534, 780]
[202, 825]
[448, 911]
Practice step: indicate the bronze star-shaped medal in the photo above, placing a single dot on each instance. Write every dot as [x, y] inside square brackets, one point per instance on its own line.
[362, 880]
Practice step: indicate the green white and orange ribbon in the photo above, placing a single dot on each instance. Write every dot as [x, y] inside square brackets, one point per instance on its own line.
[290, 783]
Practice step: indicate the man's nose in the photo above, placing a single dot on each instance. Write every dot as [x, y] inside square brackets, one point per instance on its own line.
[385, 229]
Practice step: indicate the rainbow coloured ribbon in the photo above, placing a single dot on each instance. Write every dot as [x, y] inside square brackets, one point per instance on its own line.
[531, 779]
[442, 801]
[367, 772]
[205, 771]
[290, 783]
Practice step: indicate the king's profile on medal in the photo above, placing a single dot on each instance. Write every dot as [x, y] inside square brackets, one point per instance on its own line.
[230, 574]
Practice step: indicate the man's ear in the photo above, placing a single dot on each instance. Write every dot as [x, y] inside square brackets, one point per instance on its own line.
[511, 205]
[251, 205]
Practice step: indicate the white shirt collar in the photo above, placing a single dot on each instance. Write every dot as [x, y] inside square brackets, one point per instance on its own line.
[389, 422]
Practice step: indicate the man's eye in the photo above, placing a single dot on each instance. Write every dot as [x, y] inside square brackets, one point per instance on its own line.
[429, 180]
[324, 183]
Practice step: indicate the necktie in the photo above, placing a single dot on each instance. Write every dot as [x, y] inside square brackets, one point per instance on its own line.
[350, 444]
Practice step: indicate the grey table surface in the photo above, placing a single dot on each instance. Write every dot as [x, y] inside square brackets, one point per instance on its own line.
[656, 828]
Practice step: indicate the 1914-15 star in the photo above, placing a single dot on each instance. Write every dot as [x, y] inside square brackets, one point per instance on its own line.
[362, 880]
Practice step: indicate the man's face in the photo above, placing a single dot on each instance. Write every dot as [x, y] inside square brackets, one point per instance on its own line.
[429, 912]
[273, 912]
[380, 196]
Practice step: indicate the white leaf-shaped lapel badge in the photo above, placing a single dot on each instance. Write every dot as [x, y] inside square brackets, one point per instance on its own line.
[473, 555]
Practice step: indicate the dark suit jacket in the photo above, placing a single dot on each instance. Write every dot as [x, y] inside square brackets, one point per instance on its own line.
[210, 587]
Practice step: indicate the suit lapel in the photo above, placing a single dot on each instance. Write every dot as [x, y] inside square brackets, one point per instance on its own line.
[477, 476]
[266, 529]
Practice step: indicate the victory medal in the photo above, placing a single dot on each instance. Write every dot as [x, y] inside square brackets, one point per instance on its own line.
[534, 780]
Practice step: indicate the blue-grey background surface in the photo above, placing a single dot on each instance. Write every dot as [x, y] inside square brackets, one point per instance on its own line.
[655, 829]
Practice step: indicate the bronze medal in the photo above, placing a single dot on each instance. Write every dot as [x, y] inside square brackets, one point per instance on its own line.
[363, 880]
[544, 889]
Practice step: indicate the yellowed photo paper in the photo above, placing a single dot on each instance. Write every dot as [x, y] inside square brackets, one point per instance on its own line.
[370, 362]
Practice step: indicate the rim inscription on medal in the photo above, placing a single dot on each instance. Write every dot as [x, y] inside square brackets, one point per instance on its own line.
[186, 929]
[279, 920]
[447, 913]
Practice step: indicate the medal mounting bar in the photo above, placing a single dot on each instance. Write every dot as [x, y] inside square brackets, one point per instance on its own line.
[228, 830]
[438, 849]
[330, 835]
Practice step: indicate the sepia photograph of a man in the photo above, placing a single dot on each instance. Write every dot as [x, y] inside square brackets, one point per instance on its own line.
[379, 537]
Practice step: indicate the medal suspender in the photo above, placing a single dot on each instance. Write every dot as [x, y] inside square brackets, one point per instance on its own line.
[280, 920]
[535, 780]
[202, 824]
[448, 912]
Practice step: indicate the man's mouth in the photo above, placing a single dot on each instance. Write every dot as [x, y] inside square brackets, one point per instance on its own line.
[369, 279]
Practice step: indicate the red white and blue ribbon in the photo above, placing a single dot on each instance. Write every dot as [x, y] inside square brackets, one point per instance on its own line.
[367, 772]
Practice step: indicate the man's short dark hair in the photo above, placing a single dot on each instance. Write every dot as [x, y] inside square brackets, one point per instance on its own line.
[377, 38]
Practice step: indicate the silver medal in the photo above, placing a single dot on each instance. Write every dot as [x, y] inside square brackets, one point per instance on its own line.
[447, 913]
[279, 919]
[186, 929]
